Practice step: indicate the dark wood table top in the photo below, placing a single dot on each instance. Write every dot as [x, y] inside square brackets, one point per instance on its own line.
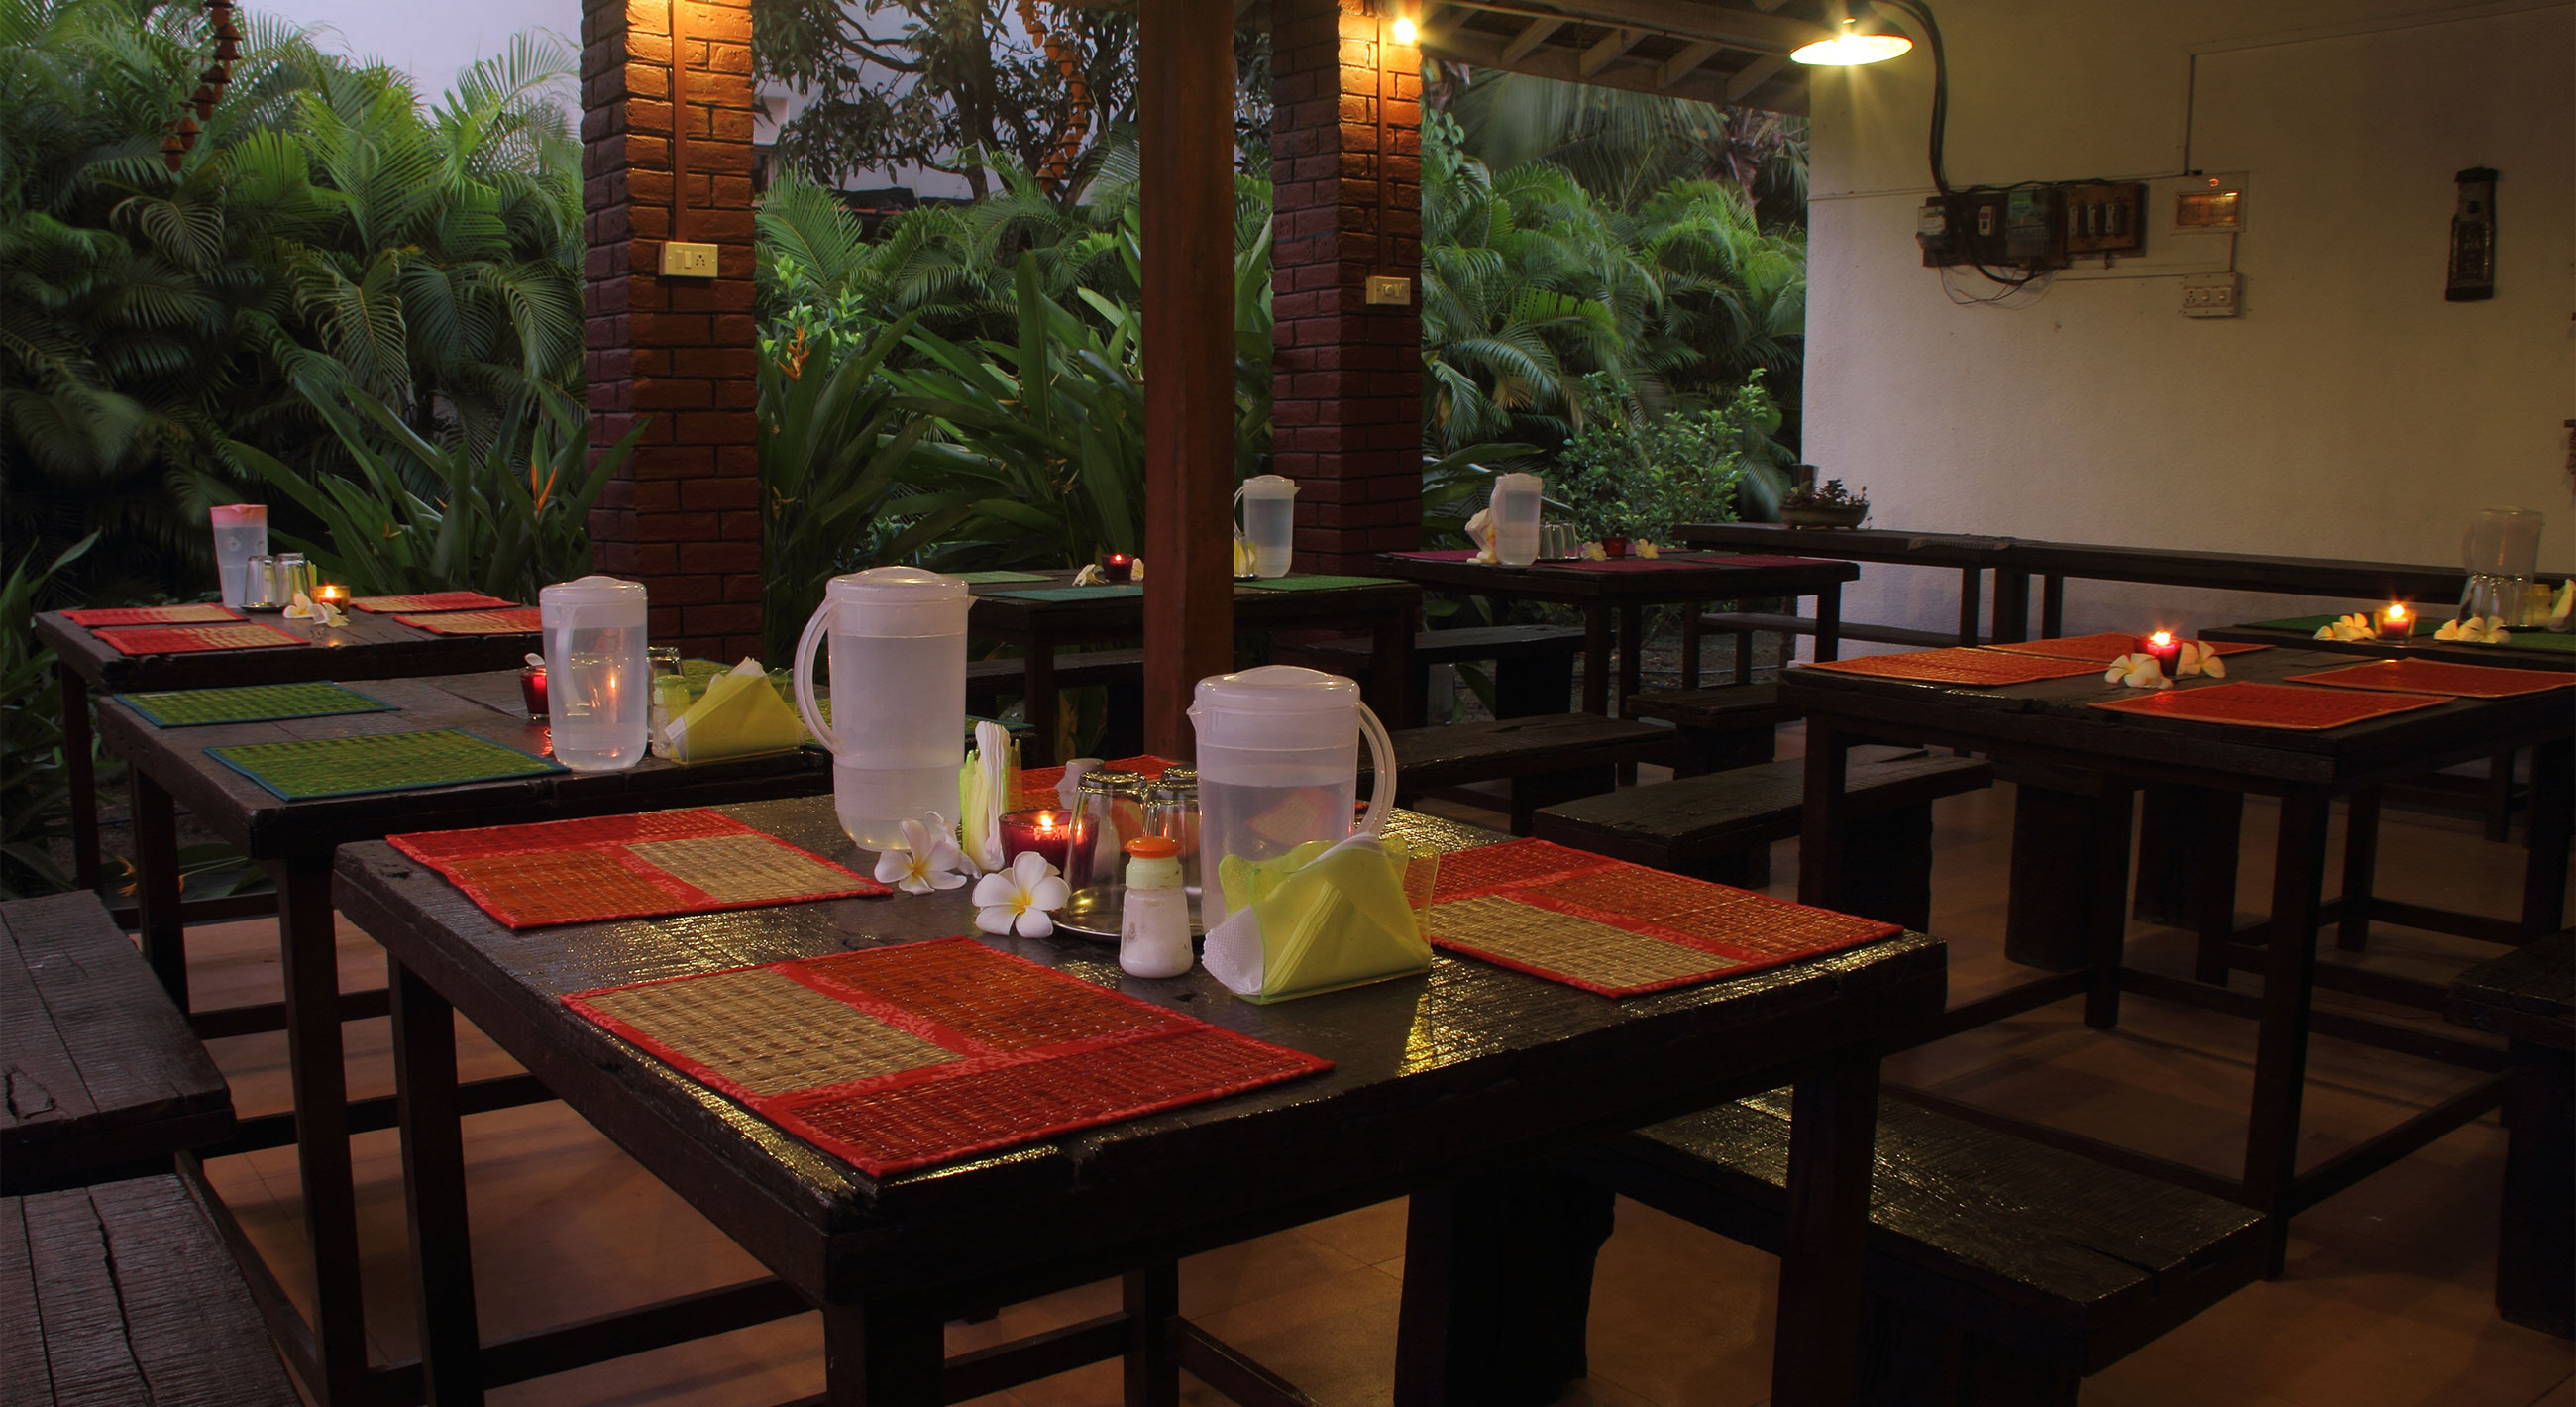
[2529, 994]
[368, 647]
[1853, 544]
[999, 613]
[2422, 647]
[485, 705]
[1712, 578]
[1465, 1066]
[2054, 717]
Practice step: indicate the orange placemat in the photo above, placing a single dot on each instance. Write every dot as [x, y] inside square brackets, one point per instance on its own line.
[517, 620]
[1959, 665]
[429, 601]
[189, 639]
[612, 867]
[2269, 706]
[919, 1054]
[2101, 649]
[2465, 681]
[92, 619]
[1619, 929]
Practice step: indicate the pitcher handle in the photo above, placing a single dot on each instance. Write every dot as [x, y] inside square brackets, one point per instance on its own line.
[1382, 773]
[804, 677]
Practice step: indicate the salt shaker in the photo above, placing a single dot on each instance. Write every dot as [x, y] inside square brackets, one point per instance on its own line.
[1154, 919]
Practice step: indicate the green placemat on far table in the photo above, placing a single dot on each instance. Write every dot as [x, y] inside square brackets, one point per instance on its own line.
[2528, 638]
[983, 578]
[2310, 625]
[1318, 583]
[1076, 593]
[255, 703]
[318, 767]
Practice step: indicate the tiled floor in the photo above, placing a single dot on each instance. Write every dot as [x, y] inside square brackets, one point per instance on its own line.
[2386, 1301]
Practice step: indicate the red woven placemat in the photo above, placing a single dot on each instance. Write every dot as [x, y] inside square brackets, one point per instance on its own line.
[1959, 665]
[647, 866]
[2463, 681]
[95, 617]
[1037, 785]
[1666, 563]
[910, 1056]
[2100, 649]
[188, 639]
[1770, 559]
[1446, 554]
[1619, 929]
[517, 620]
[2269, 706]
[429, 601]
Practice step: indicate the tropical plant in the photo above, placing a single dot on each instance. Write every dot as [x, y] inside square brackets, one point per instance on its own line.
[1627, 146]
[1645, 477]
[35, 790]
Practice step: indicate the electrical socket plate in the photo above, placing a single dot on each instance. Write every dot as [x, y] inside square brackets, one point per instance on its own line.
[681, 260]
[1387, 289]
[2213, 296]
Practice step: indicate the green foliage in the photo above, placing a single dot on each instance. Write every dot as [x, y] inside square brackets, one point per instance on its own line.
[35, 796]
[1644, 477]
[1626, 146]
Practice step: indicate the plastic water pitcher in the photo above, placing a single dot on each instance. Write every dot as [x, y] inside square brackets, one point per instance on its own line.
[898, 674]
[1269, 521]
[241, 533]
[1513, 514]
[1278, 764]
[599, 685]
[2501, 551]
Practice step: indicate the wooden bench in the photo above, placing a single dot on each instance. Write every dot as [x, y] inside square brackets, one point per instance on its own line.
[2001, 1273]
[103, 1076]
[1720, 826]
[1533, 664]
[1546, 759]
[2528, 996]
[121, 1293]
[1122, 672]
[1732, 725]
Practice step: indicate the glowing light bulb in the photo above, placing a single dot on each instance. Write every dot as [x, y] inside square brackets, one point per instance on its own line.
[1402, 30]
[1851, 48]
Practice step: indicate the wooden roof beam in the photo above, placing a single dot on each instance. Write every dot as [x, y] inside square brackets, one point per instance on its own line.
[1523, 44]
[1754, 75]
[1685, 61]
[1607, 49]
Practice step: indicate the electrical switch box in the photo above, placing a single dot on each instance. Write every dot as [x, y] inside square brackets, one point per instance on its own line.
[2107, 217]
[1390, 290]
[680, 260]
[2213, 296]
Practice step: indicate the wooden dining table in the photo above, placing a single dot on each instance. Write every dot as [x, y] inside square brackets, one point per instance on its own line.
[2050, 727]
[1437, 1080]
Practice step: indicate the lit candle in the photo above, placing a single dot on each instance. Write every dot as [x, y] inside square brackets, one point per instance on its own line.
[1118, 566]
[1046, 832]
[532, 690]
[2164, 647]
[331, 595]
[2396, 622]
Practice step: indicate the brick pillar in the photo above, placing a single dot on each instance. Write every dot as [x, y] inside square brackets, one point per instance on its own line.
[1347, 384]
[683, 516]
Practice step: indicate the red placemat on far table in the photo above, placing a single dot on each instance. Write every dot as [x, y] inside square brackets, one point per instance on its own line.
[2100, 649]
[2270, 706]
[1955, 664]
[517, 620]
[1446, 554]
[1619, 929]
[918, 1054]
[1037, 784]
[644, 866]
[96, 617]
[189, 639]
[2464, 681]
[1766, 559]
[429, 601]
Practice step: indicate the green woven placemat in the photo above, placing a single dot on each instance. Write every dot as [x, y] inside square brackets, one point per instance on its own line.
[301, 771]
[984, 578]
[1076, 593]
[1318, 583]
[2310, 625]
[256, 703]
[2529, 638]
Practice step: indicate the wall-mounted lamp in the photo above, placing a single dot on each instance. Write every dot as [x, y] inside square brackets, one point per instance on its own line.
[1851, 46]
[1402, 31]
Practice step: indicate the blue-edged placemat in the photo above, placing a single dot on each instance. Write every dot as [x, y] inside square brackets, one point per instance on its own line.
[254, 703]
[308, 769]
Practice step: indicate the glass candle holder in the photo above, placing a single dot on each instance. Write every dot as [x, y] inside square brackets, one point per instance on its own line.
[532, 691]
[2396, 622]
[2165, 646]
[331, 595]
[1118, 566]
[1046, 831]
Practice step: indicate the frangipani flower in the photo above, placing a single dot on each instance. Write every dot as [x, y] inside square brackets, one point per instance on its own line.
[1090, 575]
[1136, 569]
[2352, 627]
[2138, 671]
[1595, 552]
[1018, 899]
[306, 608]
[2197, 658]
[2475, 630]
[1645, 549]
[927, 861]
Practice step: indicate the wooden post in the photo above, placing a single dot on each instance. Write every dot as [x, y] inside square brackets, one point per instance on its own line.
[1186, 77]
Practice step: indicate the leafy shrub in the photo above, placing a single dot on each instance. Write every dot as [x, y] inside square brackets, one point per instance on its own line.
[1644, 475]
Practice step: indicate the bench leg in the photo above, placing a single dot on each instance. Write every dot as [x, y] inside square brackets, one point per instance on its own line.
[2188, 840]
[1548, 788]
[314, 1057]
[2360, 867]
[1152, 1370]
[2054, 834]
[81, 779]
[2553, 815]
[1596, 659]
[1533, 688]
[156, 884]
[1039, 702]
[1833, 1123]
[1829, 631]
[2281, 1042]
[2536, 1253]
[1914, 1360]
[1498, 1288]
[433, 1156]
[2498, 801]
[1699, 751]
[1890, 877]
[1691, 643]
[2106, 920]
[885, 1353]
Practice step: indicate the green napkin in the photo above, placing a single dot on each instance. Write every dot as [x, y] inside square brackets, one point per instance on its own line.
[1320, 919]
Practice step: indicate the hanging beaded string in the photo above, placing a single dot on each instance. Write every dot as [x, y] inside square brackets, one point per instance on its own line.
[180, 136]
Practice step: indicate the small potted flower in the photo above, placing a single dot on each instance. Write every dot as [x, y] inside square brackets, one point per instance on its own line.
[1831, 506]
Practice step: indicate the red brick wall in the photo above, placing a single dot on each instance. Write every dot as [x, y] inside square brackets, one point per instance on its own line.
[677, 355]
[1347, 385]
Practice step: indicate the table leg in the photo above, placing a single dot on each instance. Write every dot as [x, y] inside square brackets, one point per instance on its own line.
[887, 1353]
[314, 1059]
[1393, 691]
[2553, 809]
[2360, 863]
[1596, 659]
[433, 1156]
[1152, 1299]
[1815, 1354]
[1972, 581]
[1691, 644]
[1632, 650]
[2536, 1254]
[2052, 607]
[1829, 631]
[1039, 702]
[2289, 989]
[2107, 913]
[81, 777]
[2012, 605]
[2499, 797]
[1498, 1287]
[156, 883]
[1821, 826]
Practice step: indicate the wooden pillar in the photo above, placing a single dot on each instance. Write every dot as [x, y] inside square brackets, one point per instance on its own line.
[1185, 76]
[666, 155]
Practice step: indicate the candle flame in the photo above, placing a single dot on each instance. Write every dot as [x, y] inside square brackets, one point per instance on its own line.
[2397, 612]
[2161, 638]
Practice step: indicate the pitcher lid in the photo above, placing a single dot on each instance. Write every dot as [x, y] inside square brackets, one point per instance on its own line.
[591, 588]
[1276, 688]
[1270, 486]
[897, 584]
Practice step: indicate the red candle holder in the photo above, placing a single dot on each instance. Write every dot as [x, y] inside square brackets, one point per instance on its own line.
[2396, 623]
[1048, 832]
[1614, 548]
[332, 595]
[532, 690]
[2165, 646]
[1118, 566]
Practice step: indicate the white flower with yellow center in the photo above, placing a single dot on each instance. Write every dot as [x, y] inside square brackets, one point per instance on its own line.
[1018, 899]
[2138, 671]
[927, 860]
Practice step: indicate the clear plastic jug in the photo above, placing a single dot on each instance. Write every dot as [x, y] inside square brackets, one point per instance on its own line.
[1513, 513]
[1278, 765]
[898, 669]
[599, 686]
[1269, 521]
[2501, 550]
[241, 533]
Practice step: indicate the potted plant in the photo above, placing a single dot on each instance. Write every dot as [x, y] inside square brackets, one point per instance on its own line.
[1831, 506]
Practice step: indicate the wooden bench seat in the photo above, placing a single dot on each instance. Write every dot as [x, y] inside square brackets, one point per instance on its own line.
[2528, 996]
[121, 1293]
[1720, 826]
[2001, 1272]
[1732, 621]
[1546, 759]
[1533, 664]
[103, 1076]
[1731, 725]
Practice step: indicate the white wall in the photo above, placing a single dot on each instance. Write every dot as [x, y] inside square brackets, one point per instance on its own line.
[2350, 412]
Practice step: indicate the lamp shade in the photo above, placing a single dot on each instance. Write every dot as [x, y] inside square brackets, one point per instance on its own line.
[1851, 47]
